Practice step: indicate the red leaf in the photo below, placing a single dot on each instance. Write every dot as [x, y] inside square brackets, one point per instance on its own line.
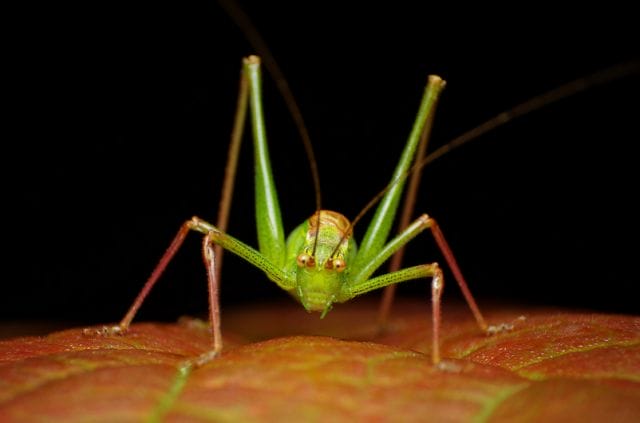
[553, 366]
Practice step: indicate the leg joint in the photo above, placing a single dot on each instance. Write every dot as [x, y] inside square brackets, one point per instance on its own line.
[426, 221]
[197, 224]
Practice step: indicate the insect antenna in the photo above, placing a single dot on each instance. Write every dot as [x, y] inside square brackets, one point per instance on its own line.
[242, 20]
[564, 91]
[552, 96]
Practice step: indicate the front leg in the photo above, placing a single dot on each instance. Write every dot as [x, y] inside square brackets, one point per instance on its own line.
[212, 237]
[361, 282]
[173, 248]
[422, 271]
[419, 225]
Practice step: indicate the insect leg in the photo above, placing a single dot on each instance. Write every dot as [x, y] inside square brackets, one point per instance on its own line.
[422, 271]
[209, 257]
[363, 284]
[173, 248]
[455, 269]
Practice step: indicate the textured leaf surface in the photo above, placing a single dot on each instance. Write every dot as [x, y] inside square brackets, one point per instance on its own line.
[553, 366]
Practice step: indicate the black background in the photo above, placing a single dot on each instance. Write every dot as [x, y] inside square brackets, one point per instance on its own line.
[124, 112]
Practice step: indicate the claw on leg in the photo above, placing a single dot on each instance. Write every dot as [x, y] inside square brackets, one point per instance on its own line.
[200, 360]
[105, 331]
[504, 327]
[448, 366]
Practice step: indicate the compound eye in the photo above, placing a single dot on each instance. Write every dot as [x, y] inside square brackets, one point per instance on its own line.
[339, 265]
[305, 259]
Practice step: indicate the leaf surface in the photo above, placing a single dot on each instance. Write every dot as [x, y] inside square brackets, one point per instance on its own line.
[552, 366]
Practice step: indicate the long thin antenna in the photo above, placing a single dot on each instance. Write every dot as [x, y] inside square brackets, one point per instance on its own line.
[567, 90]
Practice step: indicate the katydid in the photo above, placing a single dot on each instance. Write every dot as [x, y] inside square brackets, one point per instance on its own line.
[319, 264]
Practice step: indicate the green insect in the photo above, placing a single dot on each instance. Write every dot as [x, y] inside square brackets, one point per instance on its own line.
[319, 263]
